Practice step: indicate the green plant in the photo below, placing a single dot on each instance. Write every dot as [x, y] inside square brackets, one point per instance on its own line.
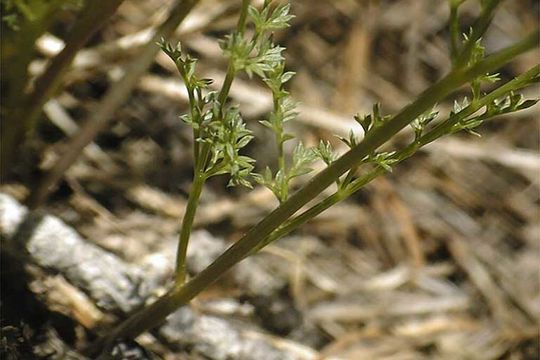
[219, 134]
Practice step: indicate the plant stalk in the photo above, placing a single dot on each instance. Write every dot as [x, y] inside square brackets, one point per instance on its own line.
[437, 132]
[478, 30]
[200, 161]
[231, 71]
[187, 225]
[454, 28]
[156, 313]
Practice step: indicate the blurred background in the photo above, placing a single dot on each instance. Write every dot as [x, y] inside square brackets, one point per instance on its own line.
[436, 260]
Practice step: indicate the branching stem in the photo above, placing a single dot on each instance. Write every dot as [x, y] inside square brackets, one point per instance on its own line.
[439, 131]
[179, 295]
[201, 154]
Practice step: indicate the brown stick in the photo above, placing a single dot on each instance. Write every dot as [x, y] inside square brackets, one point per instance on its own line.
[112, 100]
[92, 17]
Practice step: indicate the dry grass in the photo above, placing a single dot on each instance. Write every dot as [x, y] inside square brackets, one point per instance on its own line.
[438, 260]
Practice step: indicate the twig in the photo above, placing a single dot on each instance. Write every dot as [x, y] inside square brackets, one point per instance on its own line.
[112, 100]
[93, 16]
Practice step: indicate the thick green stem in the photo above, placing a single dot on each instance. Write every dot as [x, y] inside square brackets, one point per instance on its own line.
[187, 225]
[155, 313]
[439, 131]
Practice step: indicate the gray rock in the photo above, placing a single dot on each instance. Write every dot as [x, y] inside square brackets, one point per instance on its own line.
[218, 339]
[49, 243]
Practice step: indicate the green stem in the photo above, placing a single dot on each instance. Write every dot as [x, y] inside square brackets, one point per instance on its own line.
[187, 225]
[478, 30]
[226, 87]
[231, 71]
[278, 137]
[442, 129]
[201, 159]
[199, 178]
[155, 313]
[195, 115]
[241, 26]
[454, 28]
[281, 156]
[279, 140]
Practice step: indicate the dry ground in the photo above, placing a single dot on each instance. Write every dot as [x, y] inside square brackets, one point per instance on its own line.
[437, 260]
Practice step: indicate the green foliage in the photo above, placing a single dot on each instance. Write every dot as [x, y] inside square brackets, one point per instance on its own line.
[223, 133]
[420, 123]
[258, 54]
[220, 133]
[268, 19]
[325, 152]
[385, 160]
[371, 121]
[477, 54]
[279, 183]
[507, 104]
[15, 11]
[226, 137]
